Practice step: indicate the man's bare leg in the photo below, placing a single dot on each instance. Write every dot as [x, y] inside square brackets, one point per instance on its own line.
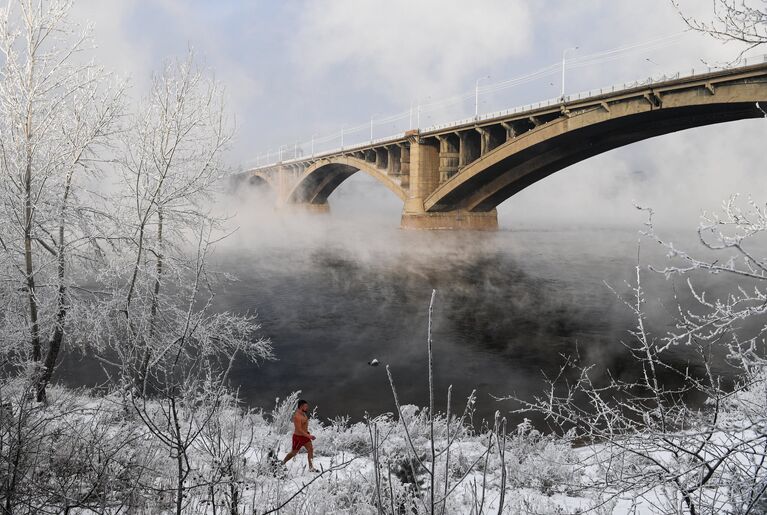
[289, 457]
[310, 456]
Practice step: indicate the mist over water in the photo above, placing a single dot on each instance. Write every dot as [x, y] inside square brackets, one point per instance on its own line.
[332, 292]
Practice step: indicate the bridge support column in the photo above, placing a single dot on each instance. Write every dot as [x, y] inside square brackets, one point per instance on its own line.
[424, 179]
[448, 157]
[511, 132]
[394, 161]
[468, 148]
[490, 138]
[381, 158]
[285, 179]
[404, 169]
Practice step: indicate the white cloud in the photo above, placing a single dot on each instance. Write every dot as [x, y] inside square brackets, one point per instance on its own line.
[403, 48]
[116, 48]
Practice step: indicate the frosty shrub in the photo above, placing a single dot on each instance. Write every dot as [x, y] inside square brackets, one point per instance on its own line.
[341, 437]
[646, 440]
[78, 452]
[547, 463]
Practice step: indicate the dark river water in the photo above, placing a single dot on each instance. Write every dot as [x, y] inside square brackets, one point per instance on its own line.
[333, 292]
[332, 295]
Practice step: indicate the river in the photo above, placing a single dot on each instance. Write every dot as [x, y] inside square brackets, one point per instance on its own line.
[334, 292]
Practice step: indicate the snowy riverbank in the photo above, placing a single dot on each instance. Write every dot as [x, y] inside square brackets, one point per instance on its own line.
[83, 453]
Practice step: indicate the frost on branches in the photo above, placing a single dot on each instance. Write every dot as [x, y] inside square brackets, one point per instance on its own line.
[58, 112]
[740, 21]
[104, 246]
[644, 440]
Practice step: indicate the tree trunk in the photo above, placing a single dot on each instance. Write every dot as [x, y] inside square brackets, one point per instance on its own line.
[29, 269]
[54, 345]
[144, 366]
[28, 257]
[180, 482]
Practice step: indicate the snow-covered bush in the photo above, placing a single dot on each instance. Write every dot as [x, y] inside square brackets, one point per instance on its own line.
[341, 437]
[77, 452]
[547, 463]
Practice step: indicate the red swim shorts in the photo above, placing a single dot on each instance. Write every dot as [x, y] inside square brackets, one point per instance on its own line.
[300, 441]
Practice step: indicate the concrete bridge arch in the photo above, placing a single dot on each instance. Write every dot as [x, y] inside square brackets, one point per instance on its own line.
[261, 180]
[520, 162]
[319, 180]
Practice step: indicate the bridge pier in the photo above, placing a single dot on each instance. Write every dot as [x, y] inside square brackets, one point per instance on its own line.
[307, 207]
[430, 160]
[451, 220]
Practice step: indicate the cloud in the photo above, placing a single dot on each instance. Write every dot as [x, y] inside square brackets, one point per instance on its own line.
[134, 39]
[402, 48]
[117, 47]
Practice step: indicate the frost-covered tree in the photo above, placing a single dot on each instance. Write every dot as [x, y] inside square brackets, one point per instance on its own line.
[57, 111]
[155, 327]
[157, 284]
[744, 21]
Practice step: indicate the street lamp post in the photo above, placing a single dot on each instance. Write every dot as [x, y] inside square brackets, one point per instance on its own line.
[418, 113]
[564, 54]
[476, 96]
[312, 145]
[342, 138]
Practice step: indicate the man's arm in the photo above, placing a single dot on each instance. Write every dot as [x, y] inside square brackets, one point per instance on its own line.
[306, 428]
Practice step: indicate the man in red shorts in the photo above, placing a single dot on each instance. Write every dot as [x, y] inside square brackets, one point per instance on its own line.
[301, 435]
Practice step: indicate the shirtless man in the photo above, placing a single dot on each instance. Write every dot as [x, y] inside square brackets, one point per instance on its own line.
[301, 435]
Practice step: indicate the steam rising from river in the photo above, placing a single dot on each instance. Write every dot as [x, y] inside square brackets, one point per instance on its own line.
[334, 291]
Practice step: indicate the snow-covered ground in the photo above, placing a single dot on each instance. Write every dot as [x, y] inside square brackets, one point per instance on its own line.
[88, 453]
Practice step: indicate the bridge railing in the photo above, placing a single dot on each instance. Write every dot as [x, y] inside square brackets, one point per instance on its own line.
[583, 95]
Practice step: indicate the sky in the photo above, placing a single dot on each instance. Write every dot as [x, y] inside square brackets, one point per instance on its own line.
[297, 69]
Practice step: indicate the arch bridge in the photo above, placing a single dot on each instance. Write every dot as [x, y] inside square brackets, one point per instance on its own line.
[453, 176]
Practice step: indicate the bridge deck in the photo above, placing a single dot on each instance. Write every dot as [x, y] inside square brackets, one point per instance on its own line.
[546, 110]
